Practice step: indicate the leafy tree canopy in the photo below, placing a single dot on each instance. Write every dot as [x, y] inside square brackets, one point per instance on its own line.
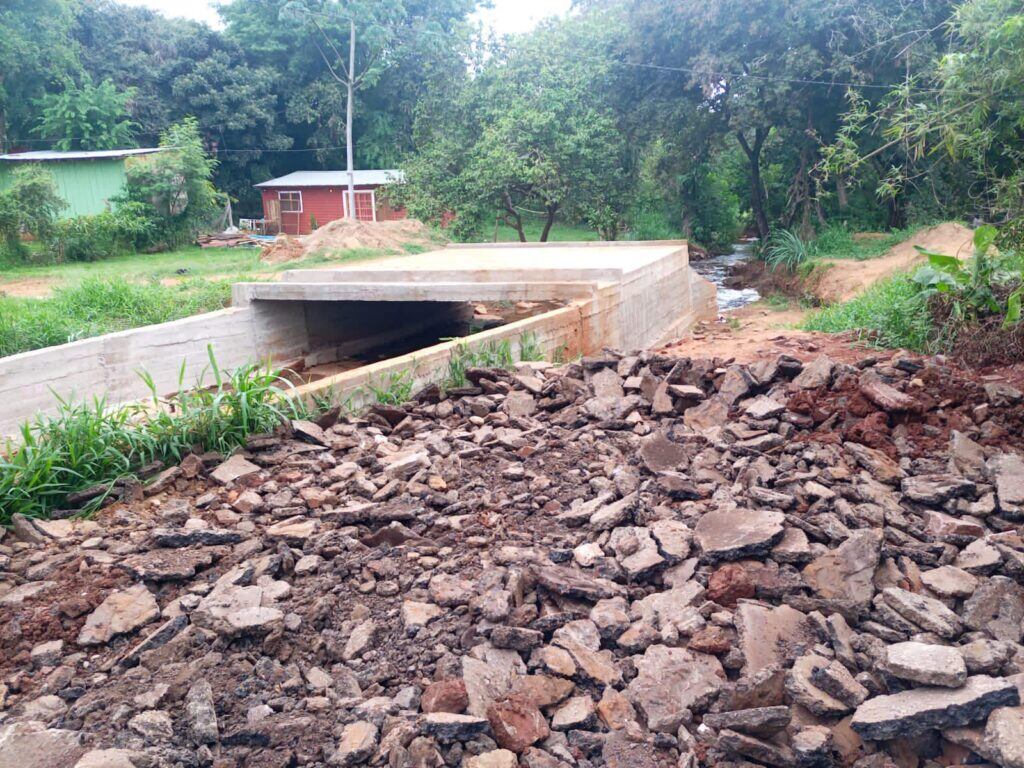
[87, 116]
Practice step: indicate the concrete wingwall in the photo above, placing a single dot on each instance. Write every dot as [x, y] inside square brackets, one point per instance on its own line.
[108, 366]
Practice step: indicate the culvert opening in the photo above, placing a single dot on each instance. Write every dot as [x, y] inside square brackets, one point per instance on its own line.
[346, 335]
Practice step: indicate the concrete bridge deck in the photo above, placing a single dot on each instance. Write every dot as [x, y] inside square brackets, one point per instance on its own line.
[627, 295]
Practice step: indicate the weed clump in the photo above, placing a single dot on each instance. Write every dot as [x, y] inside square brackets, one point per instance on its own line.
[94, 447]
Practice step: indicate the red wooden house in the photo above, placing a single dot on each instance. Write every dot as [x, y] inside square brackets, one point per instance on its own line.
[296, 203]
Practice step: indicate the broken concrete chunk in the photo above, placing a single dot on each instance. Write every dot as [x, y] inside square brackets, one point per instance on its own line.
[759, 721]
[937, 489]
[31, 744]
[672, 681]
[847, 572]
[926, 612]
[770, 637]
[926, 664]
[918, 710]
[447, 727]
[571, 583]
[1004, 736]
[1007, 472]
[576, 713]
[122, 612]
[233, 610]
[765, 752]
[735, 534]
[817, 373]
[997, 608]
[234, 468]
[659, 454]
[949, 581]
[358, 742]
[881, 467]
[800, 684]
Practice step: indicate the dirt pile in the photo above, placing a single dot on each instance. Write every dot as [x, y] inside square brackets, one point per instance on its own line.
[345, 234]
[629, 561]
[845, 278]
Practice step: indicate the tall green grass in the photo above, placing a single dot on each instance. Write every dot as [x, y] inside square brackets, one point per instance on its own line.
[838, 242]
[891, 313]
[493, 354]
[91, 444]
[785, 249]
[97, 306]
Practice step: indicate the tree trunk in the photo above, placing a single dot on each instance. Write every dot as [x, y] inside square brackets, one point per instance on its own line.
[552, 210]
[350, 87]
[802, 201]
[758, 197]
[841, 195]
[512, 218]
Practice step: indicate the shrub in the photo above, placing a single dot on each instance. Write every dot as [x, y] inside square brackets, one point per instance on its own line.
[651, 224]
[785, 250]
[87, 238]
[102, 235]
[174, 187]
[30, 203]
[975, 289]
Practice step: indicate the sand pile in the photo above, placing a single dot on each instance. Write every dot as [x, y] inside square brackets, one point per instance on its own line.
[345, 234]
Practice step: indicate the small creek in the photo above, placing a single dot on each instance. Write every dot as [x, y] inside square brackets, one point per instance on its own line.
[718, 268]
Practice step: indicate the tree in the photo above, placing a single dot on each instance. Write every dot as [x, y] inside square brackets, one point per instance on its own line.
[965, 111]
[175, 186]
[769, 77]
[376, 22]
[35, 48]
[528, 134]
[87, 116]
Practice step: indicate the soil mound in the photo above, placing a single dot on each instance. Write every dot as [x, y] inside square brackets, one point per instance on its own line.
[346, 235]
[844, 278]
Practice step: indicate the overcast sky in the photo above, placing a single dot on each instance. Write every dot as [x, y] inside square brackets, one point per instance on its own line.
[506, 16]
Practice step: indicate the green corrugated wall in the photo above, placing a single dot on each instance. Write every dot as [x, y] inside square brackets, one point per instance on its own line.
[86, 185]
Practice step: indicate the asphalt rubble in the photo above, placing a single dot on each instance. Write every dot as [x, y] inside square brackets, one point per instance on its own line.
[631, 561]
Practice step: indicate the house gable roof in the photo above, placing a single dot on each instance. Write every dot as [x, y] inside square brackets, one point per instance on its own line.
[333, 179]
[48, 156]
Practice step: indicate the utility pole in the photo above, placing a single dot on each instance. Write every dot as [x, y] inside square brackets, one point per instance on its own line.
[348, 117]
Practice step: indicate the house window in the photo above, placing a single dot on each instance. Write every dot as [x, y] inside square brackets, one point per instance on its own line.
[366, 205]
[291, 202]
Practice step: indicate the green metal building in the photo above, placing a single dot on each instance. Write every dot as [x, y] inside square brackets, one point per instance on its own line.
[86, 180]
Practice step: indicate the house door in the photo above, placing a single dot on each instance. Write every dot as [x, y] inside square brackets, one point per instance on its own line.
[366, 205]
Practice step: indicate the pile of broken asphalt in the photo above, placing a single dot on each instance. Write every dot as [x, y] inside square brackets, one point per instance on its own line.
[626, 561]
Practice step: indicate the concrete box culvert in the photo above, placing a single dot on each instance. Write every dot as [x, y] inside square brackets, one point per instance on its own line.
[626, 295]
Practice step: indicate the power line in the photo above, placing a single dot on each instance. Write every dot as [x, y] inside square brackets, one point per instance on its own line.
[770, 78]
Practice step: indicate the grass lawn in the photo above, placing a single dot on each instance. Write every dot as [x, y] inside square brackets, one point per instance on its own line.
[52, 304]
[183, 263]
[561, 232]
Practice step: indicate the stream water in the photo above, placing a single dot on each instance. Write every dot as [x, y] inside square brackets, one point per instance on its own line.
[718, 268]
